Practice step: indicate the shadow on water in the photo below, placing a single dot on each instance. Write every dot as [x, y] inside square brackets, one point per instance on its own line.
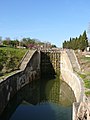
[48, 98]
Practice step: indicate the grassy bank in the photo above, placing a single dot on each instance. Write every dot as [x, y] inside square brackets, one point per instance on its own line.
[9, 59]
[85, 70]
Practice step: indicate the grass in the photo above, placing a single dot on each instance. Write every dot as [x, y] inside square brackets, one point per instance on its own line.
[13, 51]
[83, 76]
[87, 93]
[10, 59]
[85, 58]
[87, 83]
[86, 61]
[85, 67]
[7, 74]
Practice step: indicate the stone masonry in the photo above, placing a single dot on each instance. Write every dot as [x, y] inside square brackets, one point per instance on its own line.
[29, 70]
[69, 66]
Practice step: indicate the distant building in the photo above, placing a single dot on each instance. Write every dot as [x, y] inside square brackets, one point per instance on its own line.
[47, 45]
[88, 49]
[21, 47]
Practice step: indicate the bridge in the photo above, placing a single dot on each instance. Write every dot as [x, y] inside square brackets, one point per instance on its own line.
[36, 64]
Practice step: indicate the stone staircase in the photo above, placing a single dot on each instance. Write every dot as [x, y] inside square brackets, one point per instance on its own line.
[26, 59]
[73, 59]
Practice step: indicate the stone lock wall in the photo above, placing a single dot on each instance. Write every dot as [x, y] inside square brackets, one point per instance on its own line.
[81, 108]
[10, 85]
[70, 77]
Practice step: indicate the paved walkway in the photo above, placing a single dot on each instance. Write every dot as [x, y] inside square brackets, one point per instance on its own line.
[73, 59]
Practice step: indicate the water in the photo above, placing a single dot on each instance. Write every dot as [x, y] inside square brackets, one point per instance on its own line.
[43, 100]
[43, 111]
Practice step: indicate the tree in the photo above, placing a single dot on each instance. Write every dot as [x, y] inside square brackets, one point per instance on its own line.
[64, 44]
[85, 39]
[77, 43]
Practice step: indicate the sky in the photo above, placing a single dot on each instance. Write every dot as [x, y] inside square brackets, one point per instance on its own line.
[47, 20]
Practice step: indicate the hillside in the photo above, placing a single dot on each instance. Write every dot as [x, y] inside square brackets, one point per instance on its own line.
[85, 70]
[10, 59]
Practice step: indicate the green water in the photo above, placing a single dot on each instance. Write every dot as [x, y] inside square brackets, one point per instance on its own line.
[43, 100]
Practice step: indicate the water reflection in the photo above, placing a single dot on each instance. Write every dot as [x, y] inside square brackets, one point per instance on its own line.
[44, 111]
[43, 99]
